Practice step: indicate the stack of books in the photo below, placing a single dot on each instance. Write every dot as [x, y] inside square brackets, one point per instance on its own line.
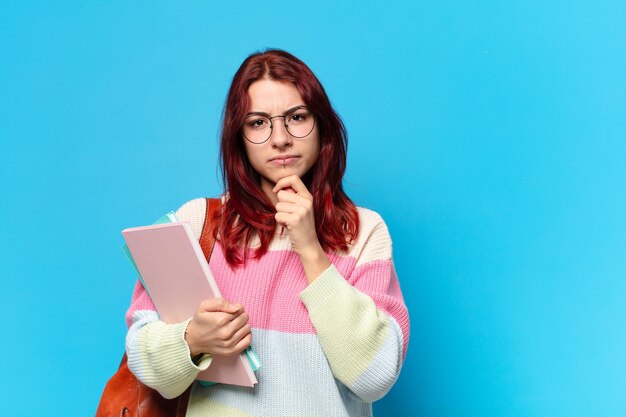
[176, 276]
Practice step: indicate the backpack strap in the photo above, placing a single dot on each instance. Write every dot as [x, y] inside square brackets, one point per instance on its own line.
[207, 240]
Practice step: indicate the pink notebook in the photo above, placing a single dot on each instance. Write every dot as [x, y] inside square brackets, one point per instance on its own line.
[177, 277]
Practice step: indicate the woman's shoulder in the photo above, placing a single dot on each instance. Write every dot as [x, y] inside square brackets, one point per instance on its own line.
[194, 208]
[370, 221]
[368, 216]
[373, 240]
[191, 209]
[193, 212]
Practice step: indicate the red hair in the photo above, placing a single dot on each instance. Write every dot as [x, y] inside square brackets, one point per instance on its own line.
[247, 211]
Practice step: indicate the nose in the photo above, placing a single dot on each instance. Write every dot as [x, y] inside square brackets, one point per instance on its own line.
[279, 136]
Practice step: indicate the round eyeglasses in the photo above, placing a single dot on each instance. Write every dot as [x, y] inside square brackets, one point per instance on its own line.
[257, 127]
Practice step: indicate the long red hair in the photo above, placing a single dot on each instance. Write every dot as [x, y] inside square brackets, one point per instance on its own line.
[247, 211]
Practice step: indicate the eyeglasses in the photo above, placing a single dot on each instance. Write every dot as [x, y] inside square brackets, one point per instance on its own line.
[257, 127]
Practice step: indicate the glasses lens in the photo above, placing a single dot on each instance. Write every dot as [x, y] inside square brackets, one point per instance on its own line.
[257, 129]
[300, 123]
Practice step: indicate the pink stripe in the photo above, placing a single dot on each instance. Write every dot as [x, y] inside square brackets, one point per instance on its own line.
[278, 307]
[273, 283]
[272, 287]
[139, 301]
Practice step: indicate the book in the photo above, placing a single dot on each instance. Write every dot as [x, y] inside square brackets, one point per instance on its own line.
[177, 278]
[166, 218]
[170, 217]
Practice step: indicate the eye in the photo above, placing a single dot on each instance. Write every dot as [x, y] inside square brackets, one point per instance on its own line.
[299, 117]
[257, 123]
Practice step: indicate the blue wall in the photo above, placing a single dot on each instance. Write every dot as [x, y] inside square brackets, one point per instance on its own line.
[489, 135]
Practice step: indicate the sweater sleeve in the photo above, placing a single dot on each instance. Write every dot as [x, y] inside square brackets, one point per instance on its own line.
[361, 320]
[157, 352]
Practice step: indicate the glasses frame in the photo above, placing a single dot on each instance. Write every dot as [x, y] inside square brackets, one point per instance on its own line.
[284, 116]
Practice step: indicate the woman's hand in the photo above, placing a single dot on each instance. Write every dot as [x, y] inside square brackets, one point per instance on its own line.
[218, 327]
[294, 211]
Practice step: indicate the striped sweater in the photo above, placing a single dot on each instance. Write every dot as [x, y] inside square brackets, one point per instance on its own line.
[329, 348]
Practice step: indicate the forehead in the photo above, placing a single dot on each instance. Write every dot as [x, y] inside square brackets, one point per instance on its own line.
[273, 97]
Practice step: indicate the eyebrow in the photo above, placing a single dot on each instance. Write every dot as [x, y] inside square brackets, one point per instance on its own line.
[291, 110]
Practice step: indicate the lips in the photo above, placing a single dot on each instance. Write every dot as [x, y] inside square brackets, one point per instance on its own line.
[284, 159]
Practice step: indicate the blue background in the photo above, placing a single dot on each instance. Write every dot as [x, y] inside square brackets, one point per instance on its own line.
[490, 136]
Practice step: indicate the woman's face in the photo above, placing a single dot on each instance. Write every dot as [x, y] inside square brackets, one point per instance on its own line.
[282, 154]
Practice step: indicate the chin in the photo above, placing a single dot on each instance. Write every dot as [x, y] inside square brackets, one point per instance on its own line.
[285, 172]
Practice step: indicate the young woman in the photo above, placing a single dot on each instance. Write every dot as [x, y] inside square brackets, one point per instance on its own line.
[307, 277]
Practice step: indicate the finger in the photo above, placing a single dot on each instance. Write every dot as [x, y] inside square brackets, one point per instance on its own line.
[243, 343]
[292, 181]
[208, 320]
[285, 182]
[285, 208]
[230, 324]
[220, 304]
[285, 219]
[282, 207]
[228, 345]
[241, 333]
[300, 199]
[238, 322]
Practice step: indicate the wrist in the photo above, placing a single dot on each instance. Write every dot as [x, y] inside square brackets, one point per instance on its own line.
[314, 262]
[199, 358]
[312, 253]
[193, 351]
